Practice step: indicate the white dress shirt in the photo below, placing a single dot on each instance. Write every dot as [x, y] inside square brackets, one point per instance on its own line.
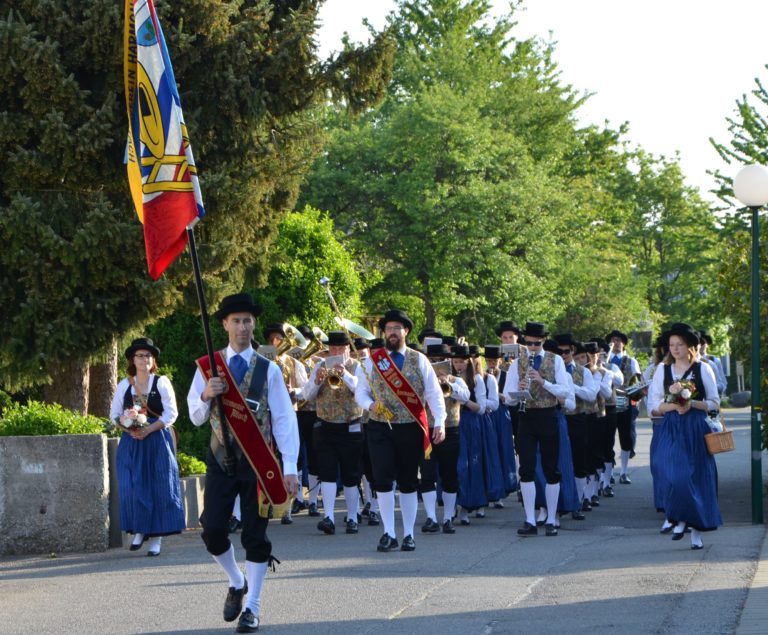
[459, 390]
[492, 396]
[164, 387]
[285, 429]
[433, 395]
[589, 388]
[311, 389]
[560, 389]
[656, 391]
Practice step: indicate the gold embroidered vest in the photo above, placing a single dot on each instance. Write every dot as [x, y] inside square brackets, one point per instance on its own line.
[382, 392]
[338, 406]
[541, 397]
[588, 407]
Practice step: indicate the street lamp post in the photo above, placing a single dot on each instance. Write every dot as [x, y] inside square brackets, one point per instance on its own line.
[751, 188]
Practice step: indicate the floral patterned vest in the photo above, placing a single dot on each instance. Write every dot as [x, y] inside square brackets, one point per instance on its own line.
[338, 406]
[382, 392]
[541, 397]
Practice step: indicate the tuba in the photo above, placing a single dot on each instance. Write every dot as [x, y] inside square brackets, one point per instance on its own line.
[293, 339]
[314, 345]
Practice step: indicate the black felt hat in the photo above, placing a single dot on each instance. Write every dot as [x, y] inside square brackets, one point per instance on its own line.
[578, 347]
[564, 339]
[377, 342]
[275, 327]
[450, 340]
[617, 333]
[361, 342]
[426, 332]
[474, 350]
[681, 329]
[591, 347]
[237, 303]
[705, 337]
[601, 344]
[396, 315]
[142, 344]
[551, 346]
[338, 338]
[415, 346]
[508, 325]
[438, 350]
[492, 352]
[535, 329]
[460, 351]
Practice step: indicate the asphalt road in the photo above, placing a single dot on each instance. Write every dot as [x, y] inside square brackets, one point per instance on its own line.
[613, 573]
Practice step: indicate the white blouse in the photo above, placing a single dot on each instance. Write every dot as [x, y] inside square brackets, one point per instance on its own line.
[656, 390]
[164, 387]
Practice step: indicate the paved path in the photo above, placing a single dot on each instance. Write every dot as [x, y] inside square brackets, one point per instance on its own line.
[611, 573]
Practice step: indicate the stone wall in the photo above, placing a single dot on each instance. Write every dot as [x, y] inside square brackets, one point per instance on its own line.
[54, 494]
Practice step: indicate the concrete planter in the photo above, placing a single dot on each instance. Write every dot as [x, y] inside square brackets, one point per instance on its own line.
[54, 494]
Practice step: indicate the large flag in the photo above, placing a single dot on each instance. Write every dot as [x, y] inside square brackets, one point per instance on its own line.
[161, 168]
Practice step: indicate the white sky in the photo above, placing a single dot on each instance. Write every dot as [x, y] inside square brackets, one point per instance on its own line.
[673, 69]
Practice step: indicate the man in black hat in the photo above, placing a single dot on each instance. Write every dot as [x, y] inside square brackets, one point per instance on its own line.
[543, 375]
[585, 390]
[508, 332]
[445, 456]
[705, 340]
[338, 430]
[625, 417]
[393, 386]
[277, 419]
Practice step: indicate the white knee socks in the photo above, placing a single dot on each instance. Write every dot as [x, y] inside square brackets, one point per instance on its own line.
[551, 493]
[227, 562]
[529, 501]
[430, 504]
[449, 505]
[352, 497]
[408, 505]
[329, 498]
[387, 506]
[255, 572]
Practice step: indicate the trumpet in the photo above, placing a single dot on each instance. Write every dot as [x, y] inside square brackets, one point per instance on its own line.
[445, 386]
[334, 379]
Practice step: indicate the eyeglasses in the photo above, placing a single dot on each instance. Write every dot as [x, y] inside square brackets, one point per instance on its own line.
[143, 355]
[529, 343]
[393, 329]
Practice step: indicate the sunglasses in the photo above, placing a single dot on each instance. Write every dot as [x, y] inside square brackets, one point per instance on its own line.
[529, 343]
[565, 351]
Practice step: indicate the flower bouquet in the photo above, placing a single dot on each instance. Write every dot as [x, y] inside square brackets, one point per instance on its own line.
[681, 393]
[136, 418]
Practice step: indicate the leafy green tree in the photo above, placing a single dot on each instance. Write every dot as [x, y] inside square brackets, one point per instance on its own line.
[72, 271]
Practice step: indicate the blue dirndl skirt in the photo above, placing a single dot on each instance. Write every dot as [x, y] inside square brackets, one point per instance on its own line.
[149, 487]
[471, 470]
[568, 501]
[502, 423]
[494, 475]
[686, 471]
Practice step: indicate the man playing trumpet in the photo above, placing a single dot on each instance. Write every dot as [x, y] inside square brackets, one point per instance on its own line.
[338, 433]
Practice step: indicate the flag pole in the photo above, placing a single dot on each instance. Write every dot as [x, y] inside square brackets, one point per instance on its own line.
[228, 460]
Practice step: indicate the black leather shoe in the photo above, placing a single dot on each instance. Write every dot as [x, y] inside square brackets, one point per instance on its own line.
[286, 519]
[595, 501]
[697, 547]
[666, 530]
[234, 602]
[540, 523]
[613, 481]
[366, 510]
[429, 527]
[387, 543]
[624, 479]
[677, 536]
[326, 526]
[550, 529]
[586, 506]
[248, 622]
[448, 527]
[528, 530]
[234, 525]
[479, 514]
[608, 492]
[408, 544]
[577, 515]
[351, 527]
[373, 519]
[312, 509]
[497, 505]
[298, 506]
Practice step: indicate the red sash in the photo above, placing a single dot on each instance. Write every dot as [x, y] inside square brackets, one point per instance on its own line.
[403, 390]
[248, 435]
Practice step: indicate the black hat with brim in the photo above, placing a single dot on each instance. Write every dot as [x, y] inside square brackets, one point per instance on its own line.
[508, 325]
[142, 344]
[449, 340]
[601, 343]
[338, 338]
[361, 342]
[578, 347]
[377, 342]
[591, 347]
[474, 350]
[428, 333]
[438, 350]
[396, 315]
[705, 337]
[616, 333]
[460, 351]
[492, 352]
[535, 329]
[681, 329]
[564, 339]
[275, 327]
[237, 303]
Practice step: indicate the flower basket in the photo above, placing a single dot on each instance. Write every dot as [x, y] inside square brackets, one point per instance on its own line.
[718, 442]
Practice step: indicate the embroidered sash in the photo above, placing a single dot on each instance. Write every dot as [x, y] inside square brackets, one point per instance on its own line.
[404, 392]
[246, 431]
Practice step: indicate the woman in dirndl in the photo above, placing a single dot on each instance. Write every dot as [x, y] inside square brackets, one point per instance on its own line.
[144, 406]
[686, 470]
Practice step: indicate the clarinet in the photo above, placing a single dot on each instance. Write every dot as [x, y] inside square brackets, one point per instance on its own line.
[530, 365]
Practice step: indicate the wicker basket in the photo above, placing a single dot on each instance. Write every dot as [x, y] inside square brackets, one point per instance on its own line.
[718, 442]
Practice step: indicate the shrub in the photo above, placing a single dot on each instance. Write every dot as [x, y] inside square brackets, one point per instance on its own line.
[189, 465]
[36, 418]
